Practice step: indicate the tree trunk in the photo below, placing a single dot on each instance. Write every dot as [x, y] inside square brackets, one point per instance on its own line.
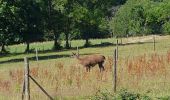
[3, 48]
[87, 40]
[57, 45]
[70, 43]
[67, 30]
[27, 48]
[67, 41]
[87, 44]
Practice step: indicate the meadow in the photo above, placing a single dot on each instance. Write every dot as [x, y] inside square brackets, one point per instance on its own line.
[140, 69]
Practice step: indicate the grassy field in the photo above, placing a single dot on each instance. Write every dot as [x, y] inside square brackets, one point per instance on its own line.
[140, 69]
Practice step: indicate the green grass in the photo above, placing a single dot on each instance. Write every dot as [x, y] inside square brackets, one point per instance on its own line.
[16, 51]
[127, 50]
[50, 62]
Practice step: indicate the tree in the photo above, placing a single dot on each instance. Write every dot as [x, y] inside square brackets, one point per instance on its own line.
[128, 20]
[54, 20]
[142, 17]
[68, 20]
[7, 24]
[30, 21]
[92, 14]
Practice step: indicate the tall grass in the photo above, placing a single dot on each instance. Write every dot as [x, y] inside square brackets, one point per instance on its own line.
[63, 78]
[140, 73]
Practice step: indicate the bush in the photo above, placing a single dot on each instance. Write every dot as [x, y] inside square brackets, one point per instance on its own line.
[102, 96]
[126, 95]
[121, 95]
[164, 98]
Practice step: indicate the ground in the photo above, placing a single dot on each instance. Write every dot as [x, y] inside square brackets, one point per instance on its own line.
[140, 69]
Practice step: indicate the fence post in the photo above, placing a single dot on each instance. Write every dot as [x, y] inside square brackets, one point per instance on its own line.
[23, 89]
[43, 47]
[117, 43]
[77, 50]
[115, 71]
[154, 42]
[36, 54]
[26, 79]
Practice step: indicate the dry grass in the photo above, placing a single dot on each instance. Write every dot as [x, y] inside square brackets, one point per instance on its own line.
[72, 80]
[63, 78]
[58, 79]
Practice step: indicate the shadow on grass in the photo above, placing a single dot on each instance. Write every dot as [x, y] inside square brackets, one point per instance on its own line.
[104, 44]
[34, 58]
[49, 57]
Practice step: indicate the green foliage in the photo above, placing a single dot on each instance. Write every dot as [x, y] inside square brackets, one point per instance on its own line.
[126, 95]
[91, 20]
[30, 21]
[164, 98]
[166, 28]
[121, 95]
[7, 23]
[53, 20]
[26, 21]
[138, 17]
[102, 96]
[39, 20]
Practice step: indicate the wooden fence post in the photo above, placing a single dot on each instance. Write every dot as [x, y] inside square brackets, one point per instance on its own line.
[77, 50]
[43, 47]
[154, 42]
[26, 79]
[117, 43]
[26, 85]
[115, 71]
[23, 89]
[36, 54]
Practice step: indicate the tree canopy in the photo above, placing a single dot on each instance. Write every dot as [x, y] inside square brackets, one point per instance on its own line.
[138, 17]
[27, 21]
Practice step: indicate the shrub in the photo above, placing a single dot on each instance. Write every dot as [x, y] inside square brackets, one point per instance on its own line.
[121, 95]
